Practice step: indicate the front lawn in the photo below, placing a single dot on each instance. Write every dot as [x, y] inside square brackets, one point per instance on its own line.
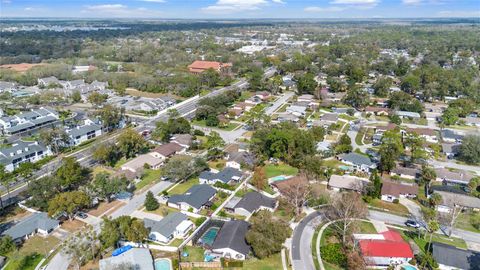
[163, 210]
[184, 186]
[396, 208]
[150, 176]
[28, 262]
[272, 170]
[273, 262]
[202, 123]
[39, 244]
[366, 227]
[423, 241]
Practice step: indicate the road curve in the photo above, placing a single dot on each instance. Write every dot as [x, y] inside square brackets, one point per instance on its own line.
[302, 242]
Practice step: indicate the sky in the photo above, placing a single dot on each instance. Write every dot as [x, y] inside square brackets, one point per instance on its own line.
[217, 9]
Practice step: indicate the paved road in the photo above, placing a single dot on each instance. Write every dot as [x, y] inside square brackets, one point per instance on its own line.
[302, 242]
[452, 164]
[398, 220]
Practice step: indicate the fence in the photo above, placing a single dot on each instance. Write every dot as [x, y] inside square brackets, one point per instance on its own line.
[216, 265]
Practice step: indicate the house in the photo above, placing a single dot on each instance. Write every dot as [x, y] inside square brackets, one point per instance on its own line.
[252, 202]
[73, 84]
[138, 164]
[195, 198]
[169, 149]
[450, 257]
[287, 117]
[405, 172]
[324, 146]
[430, 135]
[201, 66]
[455, 198]
[329, 117]
[453, 178]
[238, 159]
[7, 86]
[20, 152]
[134, 258]
[297, 110]
[377, 110]
[262, 95]
[377, 139]
[84, 133]
[347, 182]
[391, 250]
[305, 98]
[472, 121]
[230, 241]
[174, 225]
[383, 129]
[48, 81]
[451, 150]
[81, 69]
[243, 106]
[292, 183]
[36, 223]
[225, 176]
[28, 121]
[359, 162]
[451, 136]
[235, 113]
[403, 114]
[184, 140]
[396, 190]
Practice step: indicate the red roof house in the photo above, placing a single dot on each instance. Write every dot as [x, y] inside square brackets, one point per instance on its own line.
[392, 249]
[201, 66]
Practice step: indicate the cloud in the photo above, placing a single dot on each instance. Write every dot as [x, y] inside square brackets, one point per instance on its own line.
[230, 6]
[323, 9]
[459, 13]
[154, 1]
[411, 2]
[6, 1]
[355, 2]
[118, 10]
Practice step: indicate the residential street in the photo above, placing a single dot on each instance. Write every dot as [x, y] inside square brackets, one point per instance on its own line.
[302, 242]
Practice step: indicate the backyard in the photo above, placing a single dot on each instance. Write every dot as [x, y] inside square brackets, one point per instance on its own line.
[273, 262]
[182, 187]
[272, 170]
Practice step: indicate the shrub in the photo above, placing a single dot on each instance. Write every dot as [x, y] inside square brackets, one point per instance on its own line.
[151, 202]
[200, 221]
[333, 253]
[475, 221]
[396, 201]
[6, 244]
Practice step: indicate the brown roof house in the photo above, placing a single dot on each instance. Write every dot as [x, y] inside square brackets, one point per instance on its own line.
[287, 185]
[184, 140]
[137, 164]
[396, 190]
[201, 66]
[169, 149]
[405, 172]
[377, 110]
[347, 182]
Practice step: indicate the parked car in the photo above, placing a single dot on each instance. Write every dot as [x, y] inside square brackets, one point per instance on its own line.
[412, 223]
[82, 215]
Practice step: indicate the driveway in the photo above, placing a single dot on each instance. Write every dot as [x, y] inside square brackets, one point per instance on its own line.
[302, 242]
[413, 208]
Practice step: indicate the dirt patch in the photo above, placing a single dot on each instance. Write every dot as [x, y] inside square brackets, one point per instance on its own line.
[72, 225]
[20, 67]
[89, 266]
[104, 207]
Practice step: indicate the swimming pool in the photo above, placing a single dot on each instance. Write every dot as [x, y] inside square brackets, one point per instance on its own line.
[209, 236]
[408, 267]
[163, 264]
[278, 178]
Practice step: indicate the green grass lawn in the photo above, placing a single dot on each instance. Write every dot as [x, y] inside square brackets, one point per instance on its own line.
[463, 222]
[24, 263]
[202, 123]
[272, 170]
[366, 227]
[149, 177]
[120, 163]
[347, 117]
[163, 210]
[332, 163]
[273, 262]
[182, 187]
[358, 138]
[39, 244]
[195, 254]
[422, 242]
[390, 207]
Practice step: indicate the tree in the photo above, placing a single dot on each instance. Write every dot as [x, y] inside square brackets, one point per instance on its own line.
[306, 83]
[259, 179]
[151, 202]
[110, 233]
[110, 116]
[214, 144]
[356, 97]
[470, 149]
[26, 170]
[410, 84]
[416, 145]
[312, 167]
[6, 244]
[375, 188]
[56, 138]
[344, 145]
[104, 186]
[97, 99]
[210, 77]
[297, 193]
[175, 125]
[82, 247]
[76, 96]
[266, 235]
[5, 180]
[71, 174]
[432, 227]
[68, 202]
[381, 86]
[182, 167]
[390, 149]
[344, 209]
[474, 186]
[107, 153]
[450, 116]
[131, 143]
[136, 232]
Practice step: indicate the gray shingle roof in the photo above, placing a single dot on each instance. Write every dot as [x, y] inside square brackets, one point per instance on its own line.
[232, 235]
[225, 175]
[450, 134]
[20, 149]
[252, 201]
[137, 258]
[167, 225]
[195, 196]
[30, 224]
[357, 159]
[455, 257]
[83, 130]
